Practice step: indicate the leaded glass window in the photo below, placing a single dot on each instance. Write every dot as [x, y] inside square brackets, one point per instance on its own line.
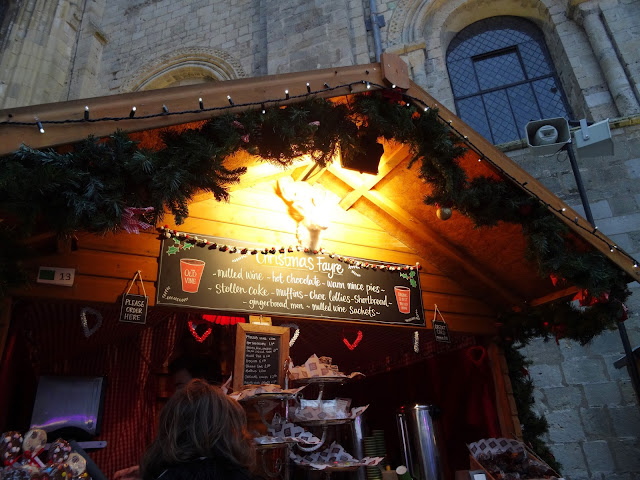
[502, 77]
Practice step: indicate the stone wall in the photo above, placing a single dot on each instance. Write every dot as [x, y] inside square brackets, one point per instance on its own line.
[38, 45]
[59, 50]
[592, 410]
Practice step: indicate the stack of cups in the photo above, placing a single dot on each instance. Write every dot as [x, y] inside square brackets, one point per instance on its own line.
[373, 472]
[374, 446]
[380, 447]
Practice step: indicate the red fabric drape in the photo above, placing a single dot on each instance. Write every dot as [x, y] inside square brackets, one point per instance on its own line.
[128, 355]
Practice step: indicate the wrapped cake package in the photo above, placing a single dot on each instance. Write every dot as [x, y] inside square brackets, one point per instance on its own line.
[318, 367]
[311, 410]
[333, 456]
[508, 459]
[287, 431]
[262, 390]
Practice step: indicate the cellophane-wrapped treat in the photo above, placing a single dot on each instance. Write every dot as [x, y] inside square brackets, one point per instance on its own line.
[10, 447]
[318, 367]
[508, 459]
[20, 460]
[331, 457]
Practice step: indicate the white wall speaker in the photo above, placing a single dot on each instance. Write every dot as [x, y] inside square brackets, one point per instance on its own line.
[548, 136]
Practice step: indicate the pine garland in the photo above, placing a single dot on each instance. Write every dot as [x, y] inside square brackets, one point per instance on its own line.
[534, 426]
[91, 187]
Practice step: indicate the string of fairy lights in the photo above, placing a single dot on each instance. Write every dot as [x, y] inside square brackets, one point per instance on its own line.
[361, 86]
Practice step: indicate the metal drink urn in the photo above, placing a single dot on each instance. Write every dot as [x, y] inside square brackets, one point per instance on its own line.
[357, 434]
[419, 442]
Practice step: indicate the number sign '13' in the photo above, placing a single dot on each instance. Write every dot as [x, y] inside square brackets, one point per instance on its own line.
[57, 276]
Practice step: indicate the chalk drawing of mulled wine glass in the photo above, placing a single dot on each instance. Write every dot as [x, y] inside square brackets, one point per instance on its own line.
[191, 273]
[403, 298]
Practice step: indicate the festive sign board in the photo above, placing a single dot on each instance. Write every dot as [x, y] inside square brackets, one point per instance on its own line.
[260, 354]
[134, 308]
[284, 283]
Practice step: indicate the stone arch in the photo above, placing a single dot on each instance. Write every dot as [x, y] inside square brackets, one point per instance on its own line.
[183, 67]
[436, 22]
[412, 18]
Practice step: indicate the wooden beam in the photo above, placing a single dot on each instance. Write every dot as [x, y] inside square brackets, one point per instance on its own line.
[310, 174]
[281, 222]
[143, 244]
[245, 93]
[88, 288]
[429, 241]
[100, 263]
[567, 292]
[395, 70]
[510, 170]
[503, 392]
[392, 161]
[455, 303]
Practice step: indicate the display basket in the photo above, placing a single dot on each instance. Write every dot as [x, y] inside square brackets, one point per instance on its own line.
[506, 459]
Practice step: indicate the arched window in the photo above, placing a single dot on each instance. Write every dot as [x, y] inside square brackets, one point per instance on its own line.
[503, 77]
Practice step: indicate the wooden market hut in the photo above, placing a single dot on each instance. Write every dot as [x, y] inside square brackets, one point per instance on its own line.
[472, 274]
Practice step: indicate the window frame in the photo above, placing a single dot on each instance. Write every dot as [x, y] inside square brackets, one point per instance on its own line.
[518, 24]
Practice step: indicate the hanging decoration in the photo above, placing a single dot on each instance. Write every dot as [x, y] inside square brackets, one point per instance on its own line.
[416, 341]
[356, 342]
[296, 334]
[132, 219]
[476, 354]
[85, 322]
[199, 338]
[444, 213]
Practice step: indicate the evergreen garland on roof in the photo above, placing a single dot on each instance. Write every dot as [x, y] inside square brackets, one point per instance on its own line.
[91, 188]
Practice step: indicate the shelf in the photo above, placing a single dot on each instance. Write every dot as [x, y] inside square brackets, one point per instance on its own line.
[273, 446]
[320, 380]
[322, 423]
[276, 396]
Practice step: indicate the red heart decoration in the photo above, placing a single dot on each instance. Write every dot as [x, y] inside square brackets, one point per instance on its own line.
[477, 354]
[353, 345]
[199, 338]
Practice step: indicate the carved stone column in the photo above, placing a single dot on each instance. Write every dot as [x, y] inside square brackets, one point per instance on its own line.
[589, 15]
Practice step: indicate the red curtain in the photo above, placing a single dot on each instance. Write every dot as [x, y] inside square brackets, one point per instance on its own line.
[48, 339]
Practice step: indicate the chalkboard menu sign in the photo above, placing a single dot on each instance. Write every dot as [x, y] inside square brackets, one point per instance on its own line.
[260, 354]
[230, 275]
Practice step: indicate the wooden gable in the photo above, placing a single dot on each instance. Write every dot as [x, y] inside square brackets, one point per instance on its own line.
[471, 274]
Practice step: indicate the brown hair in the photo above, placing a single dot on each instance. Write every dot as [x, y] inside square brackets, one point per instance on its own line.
[199, 421]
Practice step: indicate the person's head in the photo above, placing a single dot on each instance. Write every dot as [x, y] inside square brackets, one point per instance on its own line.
[187, 367]
[199, 420]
